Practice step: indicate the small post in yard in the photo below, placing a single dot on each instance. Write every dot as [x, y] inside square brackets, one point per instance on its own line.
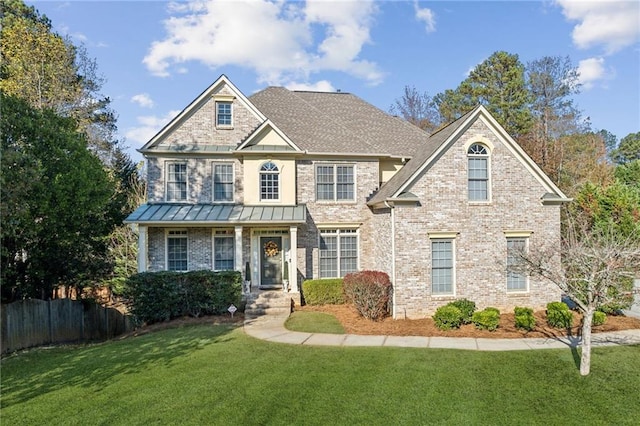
[232, 309]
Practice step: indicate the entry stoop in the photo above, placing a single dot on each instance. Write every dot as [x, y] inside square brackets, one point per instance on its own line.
[267, 303]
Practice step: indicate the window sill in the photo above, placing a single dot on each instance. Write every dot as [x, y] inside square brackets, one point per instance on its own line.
[513, 293]
[341, 202]
[220, 127]
[444, 296]
[480, 203]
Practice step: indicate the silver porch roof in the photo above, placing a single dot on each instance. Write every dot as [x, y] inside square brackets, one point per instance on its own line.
[216, 214]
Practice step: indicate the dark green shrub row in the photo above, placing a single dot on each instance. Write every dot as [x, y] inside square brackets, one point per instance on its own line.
[599, 318]
[524, 318]
[369, 291]
[323, 292]
[160, 296]
[487, 319]
[559, 315]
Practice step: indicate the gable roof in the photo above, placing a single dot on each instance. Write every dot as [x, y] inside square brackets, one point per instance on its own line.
[398, 186]
[249, 142]
[197, 103]
[341, 123]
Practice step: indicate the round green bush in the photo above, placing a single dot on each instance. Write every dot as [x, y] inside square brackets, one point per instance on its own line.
[524, 318]
[487, 319]
[559, 315]
[448, 317]
[467, 308]
[599, 318]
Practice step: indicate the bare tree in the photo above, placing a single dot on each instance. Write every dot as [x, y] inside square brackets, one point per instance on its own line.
[596, 262]
[417, 108]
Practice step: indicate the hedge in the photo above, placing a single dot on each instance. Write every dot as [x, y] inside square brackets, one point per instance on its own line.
[161, 296]
[327, 291]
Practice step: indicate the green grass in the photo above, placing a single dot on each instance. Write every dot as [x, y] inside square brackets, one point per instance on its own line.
[314, 322]
[216, 375]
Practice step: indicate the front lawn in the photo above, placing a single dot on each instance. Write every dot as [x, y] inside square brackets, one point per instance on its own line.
[217, 375]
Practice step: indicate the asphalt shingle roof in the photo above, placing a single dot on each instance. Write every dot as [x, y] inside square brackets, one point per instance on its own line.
[431, 145]
[338, 123]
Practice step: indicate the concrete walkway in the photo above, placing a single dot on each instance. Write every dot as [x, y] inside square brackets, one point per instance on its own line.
[272, 329]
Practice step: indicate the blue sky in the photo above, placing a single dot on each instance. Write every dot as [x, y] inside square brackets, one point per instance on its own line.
[158, 56]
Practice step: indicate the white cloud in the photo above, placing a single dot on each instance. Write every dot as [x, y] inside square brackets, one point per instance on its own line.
[611, 24]
[149, 126]
[319, 86]
[427, 16]
[281, 41]
[142, 99]
[591, 71]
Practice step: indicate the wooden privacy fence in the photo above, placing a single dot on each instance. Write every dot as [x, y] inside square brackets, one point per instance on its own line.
[29, 323]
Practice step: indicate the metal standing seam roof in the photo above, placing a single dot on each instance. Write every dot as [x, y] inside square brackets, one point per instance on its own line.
[216, 214]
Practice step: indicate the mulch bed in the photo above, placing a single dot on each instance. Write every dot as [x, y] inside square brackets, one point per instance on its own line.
[353, 323]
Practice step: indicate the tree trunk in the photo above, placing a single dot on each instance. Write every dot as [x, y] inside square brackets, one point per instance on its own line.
[585, 359]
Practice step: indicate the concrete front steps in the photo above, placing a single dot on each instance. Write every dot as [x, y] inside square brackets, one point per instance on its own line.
[270, 303]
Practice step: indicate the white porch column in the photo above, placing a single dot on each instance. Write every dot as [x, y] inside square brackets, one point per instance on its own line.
[293, 259]
[142, 248]
[238, 251]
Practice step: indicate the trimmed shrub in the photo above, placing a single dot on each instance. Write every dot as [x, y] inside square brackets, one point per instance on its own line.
[487, 319]
[323, 292]
[467, 308]
[161, 296]
[369, 291]
[599, 318]
[559, 315]
[524, 318]
[448, 317]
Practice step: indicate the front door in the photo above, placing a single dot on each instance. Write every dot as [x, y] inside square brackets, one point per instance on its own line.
[271, 262]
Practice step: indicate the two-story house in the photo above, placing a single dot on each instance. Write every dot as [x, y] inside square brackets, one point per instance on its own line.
[323, 184]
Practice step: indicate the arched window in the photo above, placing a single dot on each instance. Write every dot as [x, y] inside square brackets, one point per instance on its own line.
[478, 172]
[269, 181]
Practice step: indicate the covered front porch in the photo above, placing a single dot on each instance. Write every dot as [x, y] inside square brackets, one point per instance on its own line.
[261, 242]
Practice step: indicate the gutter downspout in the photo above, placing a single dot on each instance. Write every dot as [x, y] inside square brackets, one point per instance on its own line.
[393, 256]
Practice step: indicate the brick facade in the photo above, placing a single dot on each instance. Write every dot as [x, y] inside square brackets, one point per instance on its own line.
[389, 239]
[480, 244]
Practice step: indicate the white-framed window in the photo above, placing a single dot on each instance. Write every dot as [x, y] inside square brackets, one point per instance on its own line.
[478, 172]
[177, 250]
[335, 182]
[269, 182]
[223, 250]
[224, 114]
[176, 182]
[338, 252]
[223, 182]
[442, 266]
[517, 281]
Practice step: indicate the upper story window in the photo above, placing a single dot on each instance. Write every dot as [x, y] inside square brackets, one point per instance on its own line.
[176, 185]
[223, 182]
[224, 114]
[478, 172]
[269, 182]
[335, 182]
